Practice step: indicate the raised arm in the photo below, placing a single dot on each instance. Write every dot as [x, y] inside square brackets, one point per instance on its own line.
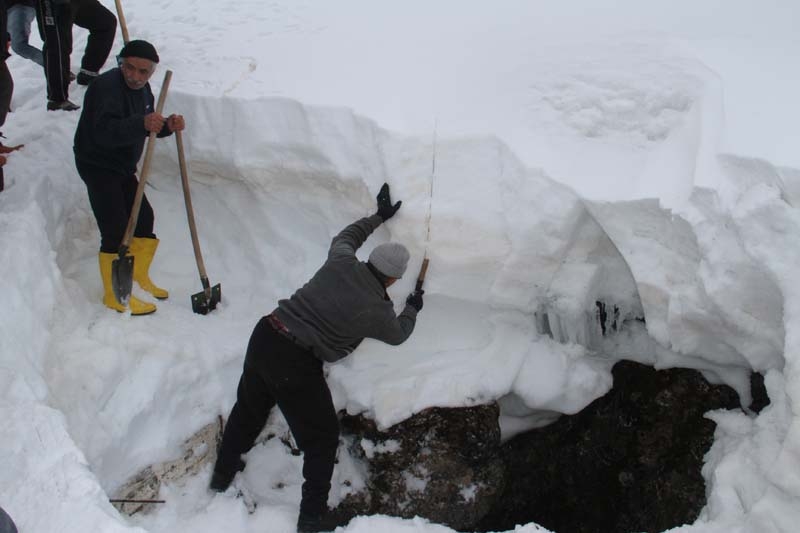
[353, 236]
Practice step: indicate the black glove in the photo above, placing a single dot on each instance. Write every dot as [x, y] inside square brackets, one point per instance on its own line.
[415, 299]
[385, 208]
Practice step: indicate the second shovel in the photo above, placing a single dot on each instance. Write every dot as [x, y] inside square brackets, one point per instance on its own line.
[209, 297]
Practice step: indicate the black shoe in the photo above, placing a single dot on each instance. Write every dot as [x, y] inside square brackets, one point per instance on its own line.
[85, 78]
[66, 105]
[222, 479]
[327, 521]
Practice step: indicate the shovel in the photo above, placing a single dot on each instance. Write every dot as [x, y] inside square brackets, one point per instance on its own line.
[122, 266]
[207, 300]
[421, 277]
[122, 25]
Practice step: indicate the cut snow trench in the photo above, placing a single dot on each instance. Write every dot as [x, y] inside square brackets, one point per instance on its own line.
[274, 180]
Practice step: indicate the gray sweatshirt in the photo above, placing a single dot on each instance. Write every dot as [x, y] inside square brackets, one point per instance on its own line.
[344, 302]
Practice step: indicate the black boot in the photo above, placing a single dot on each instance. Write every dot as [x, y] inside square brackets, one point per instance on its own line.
[85, 77]
[66, 105]
[316, 523]
[314, 513]
[222, 477]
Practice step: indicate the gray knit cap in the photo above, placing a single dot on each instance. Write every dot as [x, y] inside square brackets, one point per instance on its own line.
[391, 259]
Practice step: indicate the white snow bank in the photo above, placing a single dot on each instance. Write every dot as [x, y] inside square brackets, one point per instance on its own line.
[656, 223]
[274, 180]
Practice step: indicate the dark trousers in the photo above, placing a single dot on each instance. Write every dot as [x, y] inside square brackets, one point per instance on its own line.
[6, 524]
[111, 197]
[276, 371]
[6, 91]
[55, 29]
[102, 25]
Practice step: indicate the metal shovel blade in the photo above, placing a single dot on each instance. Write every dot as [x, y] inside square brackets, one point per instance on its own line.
[122, 278]
[202, 303]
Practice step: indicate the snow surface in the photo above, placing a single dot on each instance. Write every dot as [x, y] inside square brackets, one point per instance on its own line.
[642, 154]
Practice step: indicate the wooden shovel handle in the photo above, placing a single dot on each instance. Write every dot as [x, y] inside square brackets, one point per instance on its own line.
[421, 277]
[122, 25]
[148, 155]
[187, 196]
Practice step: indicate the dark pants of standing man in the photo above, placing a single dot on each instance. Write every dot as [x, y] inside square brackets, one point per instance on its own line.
[6, 90]
[55, 29]
[276, 370]
[111, 197]
[102, 25]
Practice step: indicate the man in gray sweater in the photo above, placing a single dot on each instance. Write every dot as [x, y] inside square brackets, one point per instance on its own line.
[324, 321]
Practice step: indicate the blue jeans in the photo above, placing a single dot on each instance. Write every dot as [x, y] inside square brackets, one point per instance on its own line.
[20, 18]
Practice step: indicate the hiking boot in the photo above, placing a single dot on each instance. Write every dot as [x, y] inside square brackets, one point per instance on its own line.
[85, 77]
[222, 479]
[66, 105]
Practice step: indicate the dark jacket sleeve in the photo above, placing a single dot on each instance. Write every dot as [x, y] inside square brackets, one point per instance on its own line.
[397, 329]
[394, 329]
[353, 236]
[164, 132]
[4, 37]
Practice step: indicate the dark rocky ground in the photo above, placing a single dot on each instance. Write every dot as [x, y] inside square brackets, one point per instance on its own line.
[629, 462]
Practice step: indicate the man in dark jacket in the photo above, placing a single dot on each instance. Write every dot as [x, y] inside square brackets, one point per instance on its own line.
[324, 321]
[118, 115]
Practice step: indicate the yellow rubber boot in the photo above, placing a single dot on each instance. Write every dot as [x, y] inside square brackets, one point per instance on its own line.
[137, 306]
[143, 251]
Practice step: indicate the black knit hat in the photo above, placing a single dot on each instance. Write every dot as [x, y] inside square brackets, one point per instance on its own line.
[141, 49]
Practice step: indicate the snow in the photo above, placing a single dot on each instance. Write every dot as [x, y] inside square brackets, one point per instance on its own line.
[641, 154]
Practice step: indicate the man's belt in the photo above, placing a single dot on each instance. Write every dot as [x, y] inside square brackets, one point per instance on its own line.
[281, 329]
